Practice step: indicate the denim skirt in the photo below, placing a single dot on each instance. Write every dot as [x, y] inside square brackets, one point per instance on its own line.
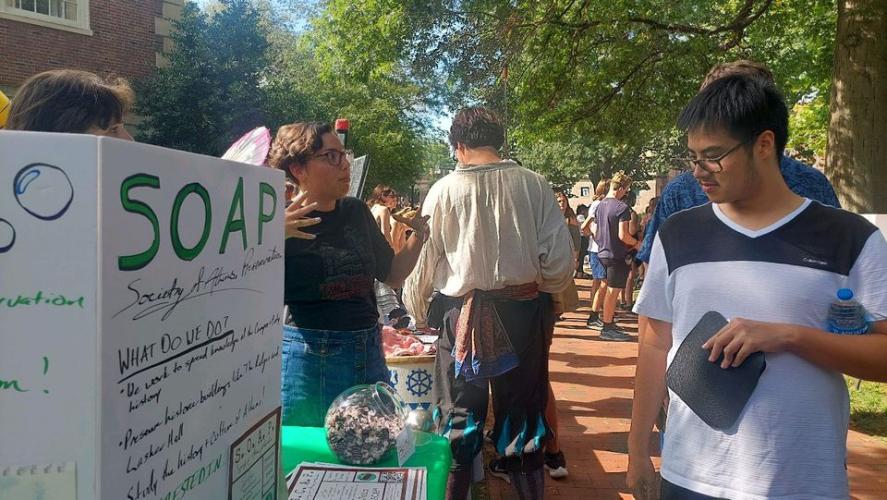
[318, 365]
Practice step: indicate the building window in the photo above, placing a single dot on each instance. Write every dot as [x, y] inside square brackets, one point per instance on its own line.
[584, 191]
[63, 14]
[62, 9]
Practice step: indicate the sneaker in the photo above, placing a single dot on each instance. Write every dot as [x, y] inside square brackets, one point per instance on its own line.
[594, 321]
[556, 465]
[612, 332]
[497, 468]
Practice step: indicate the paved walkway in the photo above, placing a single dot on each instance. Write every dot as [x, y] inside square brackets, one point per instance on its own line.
[593, 382]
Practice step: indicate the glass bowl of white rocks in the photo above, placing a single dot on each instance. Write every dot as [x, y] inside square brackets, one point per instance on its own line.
[363, 422]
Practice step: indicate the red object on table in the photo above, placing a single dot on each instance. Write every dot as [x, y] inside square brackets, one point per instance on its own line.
[342, 126]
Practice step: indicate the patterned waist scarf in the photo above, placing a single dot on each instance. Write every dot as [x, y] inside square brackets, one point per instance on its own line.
[483, 349]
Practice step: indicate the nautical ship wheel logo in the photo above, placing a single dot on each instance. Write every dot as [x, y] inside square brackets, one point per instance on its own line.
[419, 382]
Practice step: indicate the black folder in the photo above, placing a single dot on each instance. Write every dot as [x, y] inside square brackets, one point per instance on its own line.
[715, 394]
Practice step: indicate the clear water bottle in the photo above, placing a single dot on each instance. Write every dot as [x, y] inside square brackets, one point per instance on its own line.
[386, 301]
[847, 316]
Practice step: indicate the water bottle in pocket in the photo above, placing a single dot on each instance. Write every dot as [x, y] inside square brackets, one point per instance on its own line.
[846, 316]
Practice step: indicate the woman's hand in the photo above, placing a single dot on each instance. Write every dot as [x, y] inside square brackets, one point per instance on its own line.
[398, 236]
[405, 259]
[295, 218]
[419, 224]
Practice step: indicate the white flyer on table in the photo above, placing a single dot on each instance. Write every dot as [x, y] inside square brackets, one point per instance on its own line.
[340, 482]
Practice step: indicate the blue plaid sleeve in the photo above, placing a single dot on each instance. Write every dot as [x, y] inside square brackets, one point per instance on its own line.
[680, 193]
[808, 182]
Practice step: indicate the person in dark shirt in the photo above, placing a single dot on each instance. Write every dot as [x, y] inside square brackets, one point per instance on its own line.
[634, 229]
[332, 339]
[581, 216]
[612, 217]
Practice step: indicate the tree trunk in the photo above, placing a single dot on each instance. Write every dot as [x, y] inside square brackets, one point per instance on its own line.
[857, 135]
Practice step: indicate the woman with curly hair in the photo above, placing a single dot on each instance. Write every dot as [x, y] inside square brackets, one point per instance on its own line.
[332, 339]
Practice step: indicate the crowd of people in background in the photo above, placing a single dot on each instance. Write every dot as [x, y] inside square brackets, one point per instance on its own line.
[490, 261]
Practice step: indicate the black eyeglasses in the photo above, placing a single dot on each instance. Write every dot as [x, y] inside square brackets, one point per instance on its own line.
[333, 156]
[711, 165]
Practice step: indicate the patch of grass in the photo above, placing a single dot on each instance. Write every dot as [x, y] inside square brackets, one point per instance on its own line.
[868, 407]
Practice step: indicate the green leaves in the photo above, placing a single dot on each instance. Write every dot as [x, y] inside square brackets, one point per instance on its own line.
[587, 87]
[248, 63]
[614, 74]
[350, 64]
[210, 93]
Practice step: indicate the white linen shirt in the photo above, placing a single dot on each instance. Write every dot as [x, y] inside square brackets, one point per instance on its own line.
[492, 226]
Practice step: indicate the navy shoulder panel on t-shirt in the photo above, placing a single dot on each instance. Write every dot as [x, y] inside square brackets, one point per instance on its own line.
[820, 237]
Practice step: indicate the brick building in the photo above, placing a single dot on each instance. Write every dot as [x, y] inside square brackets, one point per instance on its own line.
[125, 38]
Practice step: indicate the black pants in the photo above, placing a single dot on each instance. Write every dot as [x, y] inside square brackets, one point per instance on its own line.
[671, 491]
[519, 396]
[583, 251]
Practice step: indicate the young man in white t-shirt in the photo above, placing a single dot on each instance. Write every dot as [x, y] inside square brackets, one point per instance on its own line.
[771, 262]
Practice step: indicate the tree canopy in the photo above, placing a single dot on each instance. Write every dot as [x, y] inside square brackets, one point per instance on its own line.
[586, 87]
[211, 91]
[240, 64]
[612, 75]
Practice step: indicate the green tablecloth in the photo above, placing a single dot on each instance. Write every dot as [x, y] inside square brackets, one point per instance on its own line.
[308, 444]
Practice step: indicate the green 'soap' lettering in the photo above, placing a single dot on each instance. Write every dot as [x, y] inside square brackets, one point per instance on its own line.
[139, 260]
[266, 189]
[235, 221]
[233, 224]
[183, 252]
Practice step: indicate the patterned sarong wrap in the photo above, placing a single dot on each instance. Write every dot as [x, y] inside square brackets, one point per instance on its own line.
[483, 349]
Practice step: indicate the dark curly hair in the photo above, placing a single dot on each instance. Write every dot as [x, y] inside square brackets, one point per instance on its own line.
[295, 143]
[476, 128]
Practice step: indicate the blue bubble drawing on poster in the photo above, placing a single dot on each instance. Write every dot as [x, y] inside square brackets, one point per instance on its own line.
[44, 191]
[7, 236]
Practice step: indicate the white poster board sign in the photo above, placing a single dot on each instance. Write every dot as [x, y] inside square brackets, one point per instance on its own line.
[140, 316]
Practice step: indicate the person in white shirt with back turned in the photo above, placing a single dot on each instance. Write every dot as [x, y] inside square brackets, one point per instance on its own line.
[498, 248]
[771, 262]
